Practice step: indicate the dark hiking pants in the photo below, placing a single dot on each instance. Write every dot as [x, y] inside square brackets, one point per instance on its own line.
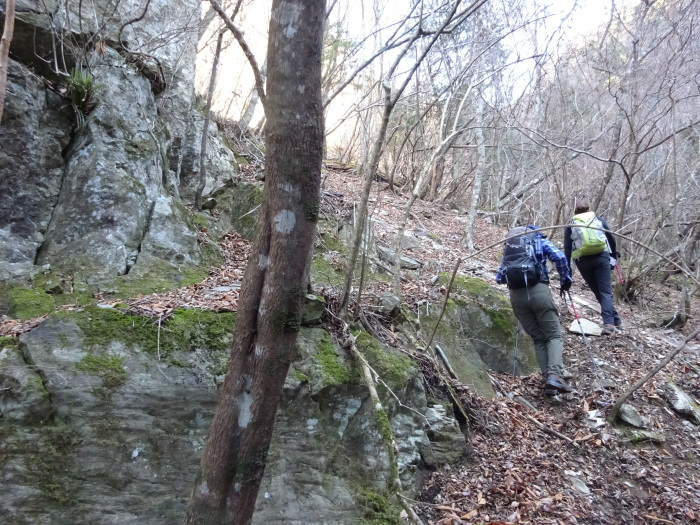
[535, 309]
[595, 270]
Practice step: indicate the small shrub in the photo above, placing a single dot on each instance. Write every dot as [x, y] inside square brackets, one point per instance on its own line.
[80, 87]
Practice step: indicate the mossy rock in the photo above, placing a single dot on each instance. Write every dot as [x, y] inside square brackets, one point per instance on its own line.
[322, 364]
[239, 206]
[329, 262]
[28, 303]
[475, 290]
[109, 368]
[478, 333]
[185, 330]
[7, 342]
[54, 453]
[157, 276]
[393, 367]
[379, 508]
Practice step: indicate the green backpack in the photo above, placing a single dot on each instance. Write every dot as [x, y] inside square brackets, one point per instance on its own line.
[587, 241]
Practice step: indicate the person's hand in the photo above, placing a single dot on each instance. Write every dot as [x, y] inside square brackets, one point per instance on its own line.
[613, 262]
[565, 286]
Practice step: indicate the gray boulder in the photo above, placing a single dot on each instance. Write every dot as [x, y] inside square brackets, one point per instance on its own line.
[95, 193]
[478, 333]
[104, 417]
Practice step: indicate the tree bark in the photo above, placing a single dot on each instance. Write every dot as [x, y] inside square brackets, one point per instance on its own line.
[7, 34]
[272, 296]
[205, 127]
[468, 239]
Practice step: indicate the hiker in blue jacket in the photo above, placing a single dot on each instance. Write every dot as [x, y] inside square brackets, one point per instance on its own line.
[596, 268]
[524, 269]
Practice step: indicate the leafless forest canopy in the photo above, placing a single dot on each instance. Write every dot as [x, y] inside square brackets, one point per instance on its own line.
[511, 109]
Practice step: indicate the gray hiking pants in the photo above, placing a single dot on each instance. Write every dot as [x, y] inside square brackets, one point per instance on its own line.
[535, 309]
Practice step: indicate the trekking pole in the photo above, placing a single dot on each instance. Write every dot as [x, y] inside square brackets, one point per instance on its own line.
[596, 368]
[515, 359]
[622, 284]
[619, 274]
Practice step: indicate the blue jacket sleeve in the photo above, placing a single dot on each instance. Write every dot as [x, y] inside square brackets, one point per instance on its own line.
[558, 258]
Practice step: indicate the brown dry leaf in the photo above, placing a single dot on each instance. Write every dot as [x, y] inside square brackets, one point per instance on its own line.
[469, 515]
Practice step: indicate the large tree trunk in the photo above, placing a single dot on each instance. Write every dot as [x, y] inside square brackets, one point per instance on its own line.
[273, 292]
[7, 33]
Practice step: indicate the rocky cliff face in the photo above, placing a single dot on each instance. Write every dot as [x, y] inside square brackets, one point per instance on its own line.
[98, 124]
[101, 424]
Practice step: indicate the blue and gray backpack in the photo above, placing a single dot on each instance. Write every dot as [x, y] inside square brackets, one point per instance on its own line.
[522, 259]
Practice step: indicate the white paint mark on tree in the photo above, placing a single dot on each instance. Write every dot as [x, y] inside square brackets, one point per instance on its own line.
[204, 489]
[258, 350]
[285, 222]
[237, 487]
[263, 262]
[301, 88]
[291, 189]
[245, 401]
[289, 19]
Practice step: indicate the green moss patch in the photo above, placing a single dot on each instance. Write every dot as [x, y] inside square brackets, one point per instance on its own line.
[503, 321]
[54, 450]
[160, 276]
[330, 242]
[474, 289]
[379, 509]
[28, 303]
[334, 371]
[185, 330]
[243, 202]
[302, 378]
[109, 368]
[327, 271]
[8, 342]
[393, 367]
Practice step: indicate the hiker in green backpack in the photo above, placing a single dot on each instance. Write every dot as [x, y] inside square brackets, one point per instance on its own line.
[595, 252]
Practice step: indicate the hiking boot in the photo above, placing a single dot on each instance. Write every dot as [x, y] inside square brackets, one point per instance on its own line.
[608, 329]
[557, 383]
[618, 326]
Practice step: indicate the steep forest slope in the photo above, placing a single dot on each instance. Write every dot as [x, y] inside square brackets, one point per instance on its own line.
[529, 459]
[118, 298]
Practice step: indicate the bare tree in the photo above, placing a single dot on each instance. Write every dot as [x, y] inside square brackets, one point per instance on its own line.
[452, 18]
[205, 127]
[272, 297]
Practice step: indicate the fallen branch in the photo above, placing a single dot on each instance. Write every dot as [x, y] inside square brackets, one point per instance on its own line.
[614, 411]
[549, 430]
[385, 429]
